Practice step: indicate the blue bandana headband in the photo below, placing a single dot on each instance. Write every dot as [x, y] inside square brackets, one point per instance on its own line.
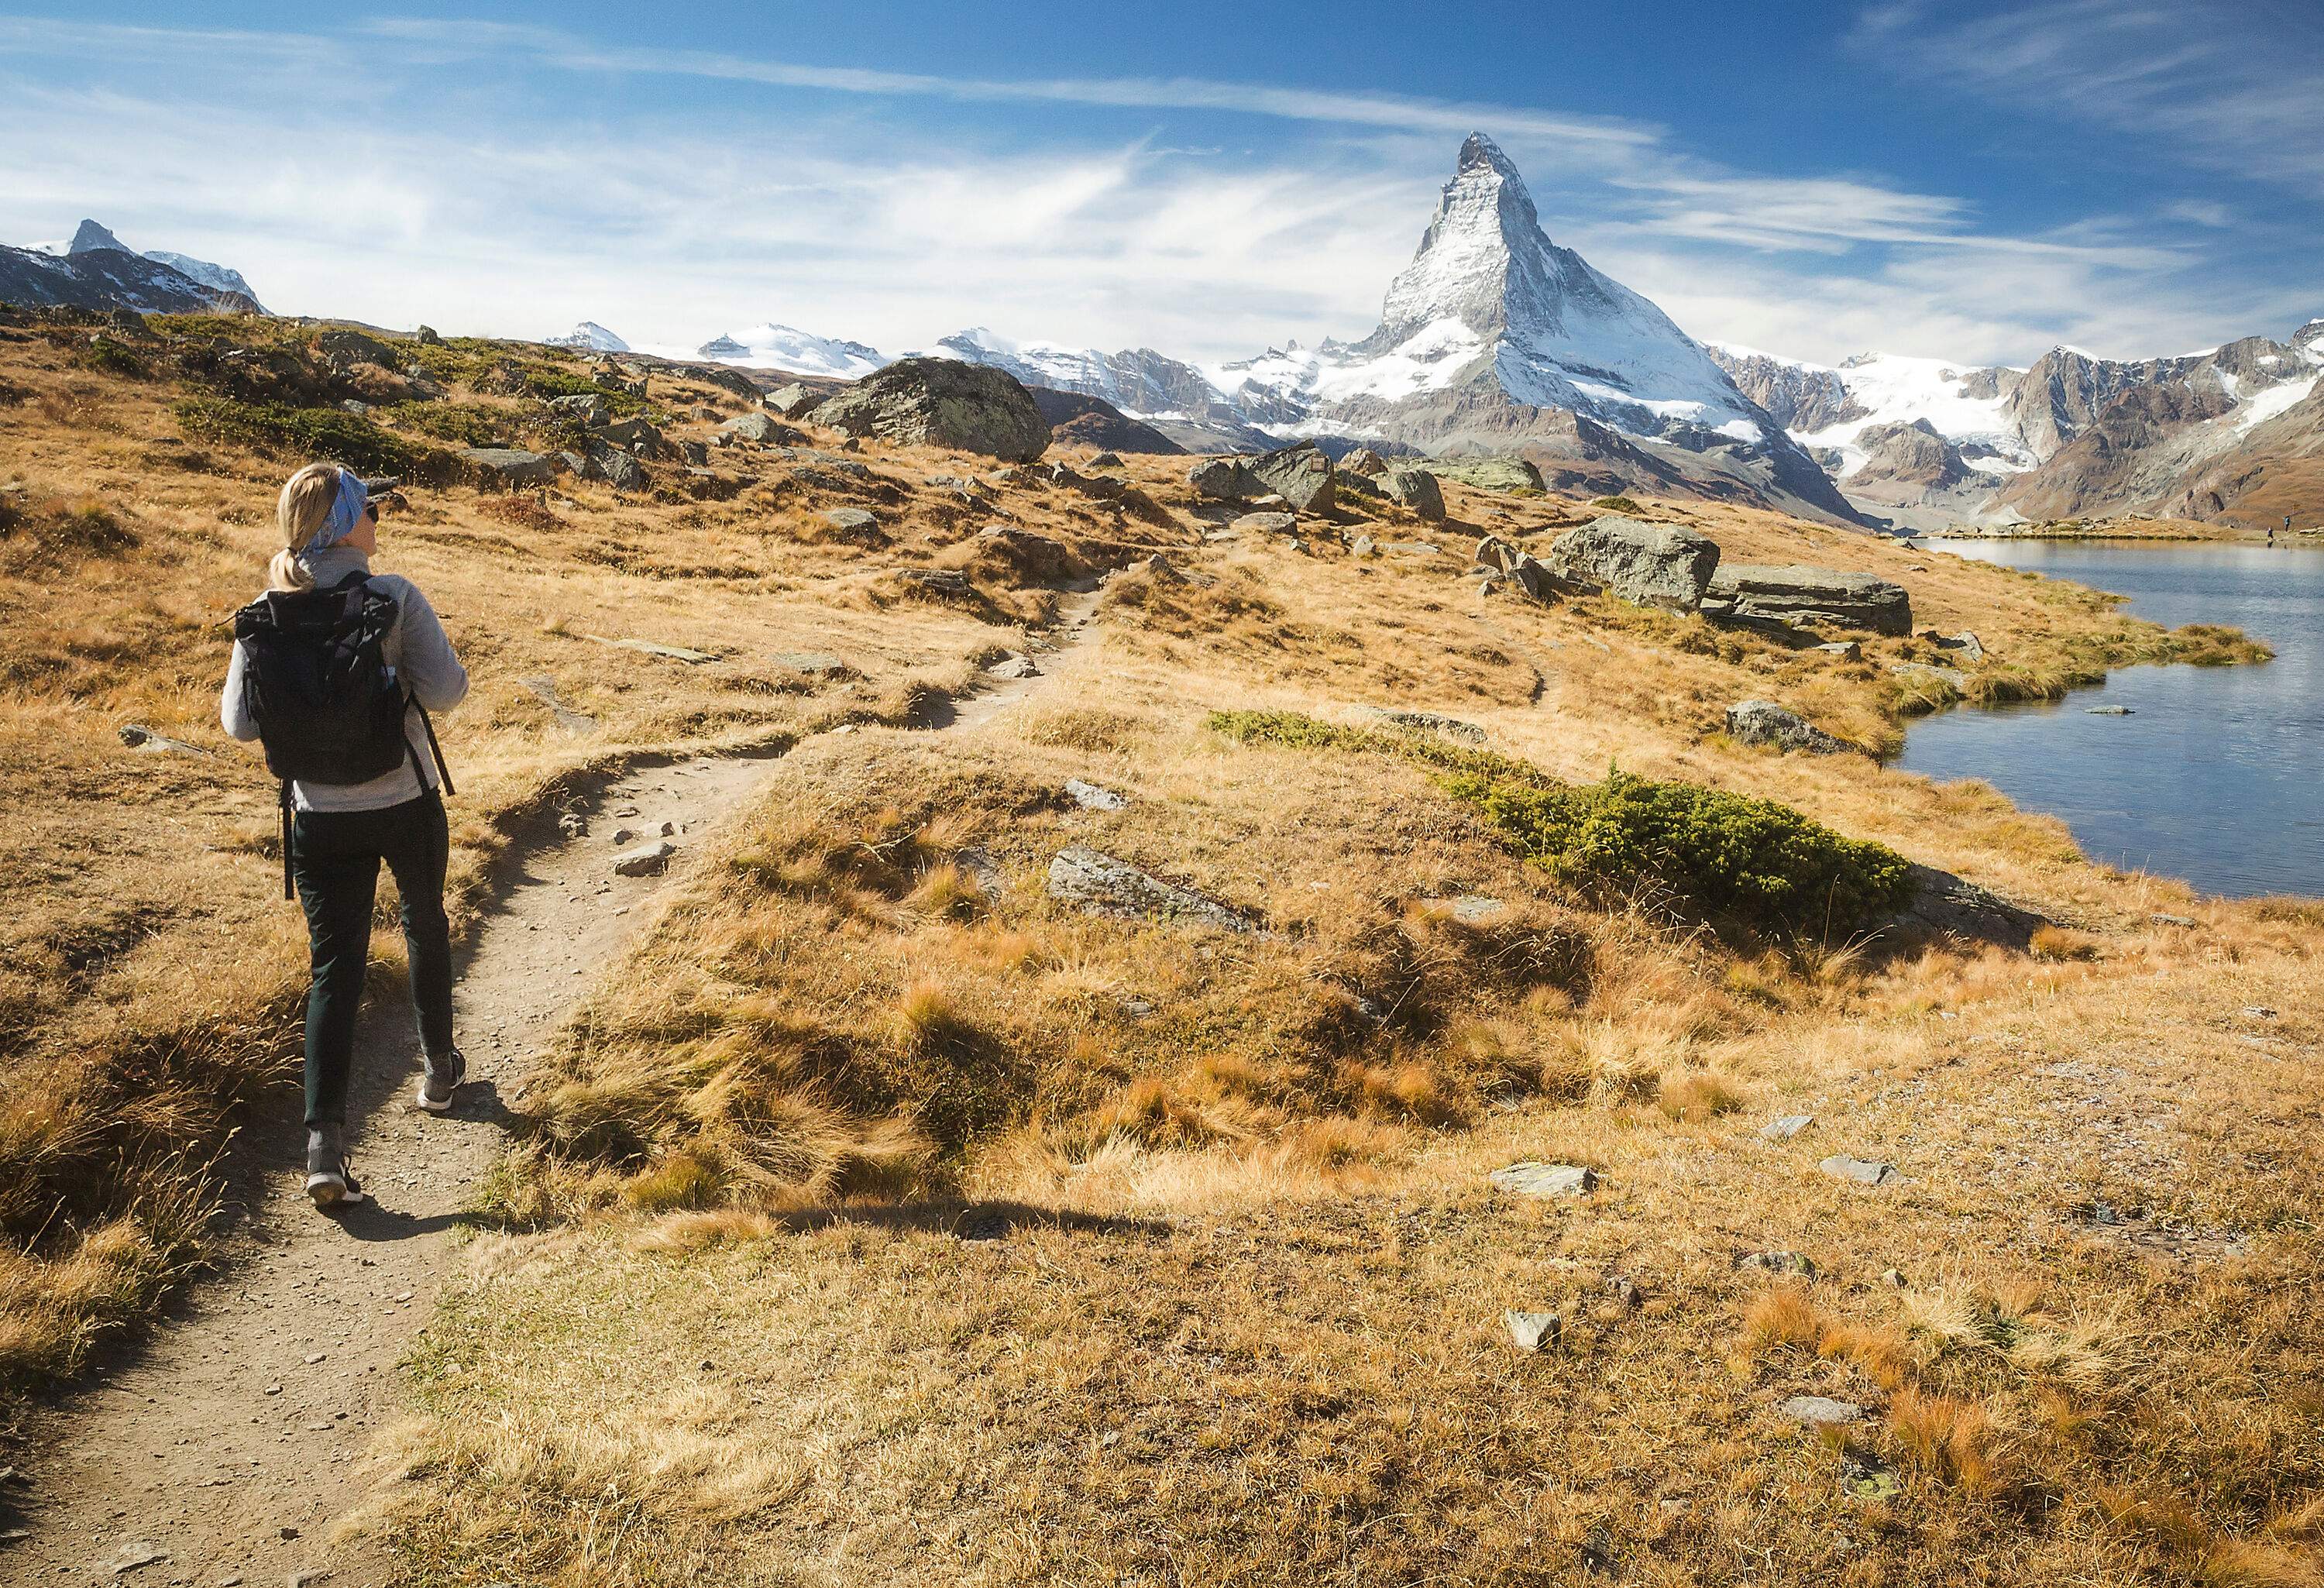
[346, 512]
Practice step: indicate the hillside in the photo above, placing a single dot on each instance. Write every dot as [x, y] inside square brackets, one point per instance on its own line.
[852, 1203]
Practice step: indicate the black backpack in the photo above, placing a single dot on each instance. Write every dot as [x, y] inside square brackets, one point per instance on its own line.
[329, 706]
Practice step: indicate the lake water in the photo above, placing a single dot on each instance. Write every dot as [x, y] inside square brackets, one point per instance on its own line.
[2218, 776]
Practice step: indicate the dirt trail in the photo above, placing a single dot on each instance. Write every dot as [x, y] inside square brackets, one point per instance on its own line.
[223, 1447]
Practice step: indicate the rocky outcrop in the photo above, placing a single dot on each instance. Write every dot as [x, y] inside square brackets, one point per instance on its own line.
[1799, 397]
[1950, 909]
[506, 468]
[942, 403]
[1498, 557]
[1907, 462]
[1763, 722]
[1417, 489]
[1648, 564]
[1793, 595]
[1364, 462]
[1225, 479]
[1300, 473]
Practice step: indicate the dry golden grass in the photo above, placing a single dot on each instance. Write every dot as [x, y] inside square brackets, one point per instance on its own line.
[875, 1220]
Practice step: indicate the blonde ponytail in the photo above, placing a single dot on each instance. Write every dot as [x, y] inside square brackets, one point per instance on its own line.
[305, 504]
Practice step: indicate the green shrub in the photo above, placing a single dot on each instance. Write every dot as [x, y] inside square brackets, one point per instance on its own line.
[232, 327]
[327, 433]
[1755, 859]
[106, 355]
[1617, 504]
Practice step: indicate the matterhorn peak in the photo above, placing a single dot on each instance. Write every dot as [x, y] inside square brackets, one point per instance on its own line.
[1479, 150]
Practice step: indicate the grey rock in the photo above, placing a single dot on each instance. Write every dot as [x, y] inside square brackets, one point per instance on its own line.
[2106, 711]
[617, 467]
[506, 468]
[356, 406]
[1943, 905]
[1412, 549]
[644, 860]
[1840, 1166]
[1014, 667]
[942, 403]
[639, 436]
[855, 524]
[1793, 593]
[1817, 1410]
[1532, 1331]
[2160, 919]
[1763, 722]
[544, 688]
[761, 428]
[1224, 479]
[427, 337]
[948, 584]
[589, 409]
[1477, 907]
[1091, 797]
[346, 348]
[1417, 489]
[818, 664]
[1363, 546]
[655, 648]
[141, 738]
[1623, 1290]
[1430, 722]
[790, 401]
[1104, 487]
[1105, 885]
[1488, 474]
[1779, 1262]
[1362, 486]
[1364, 463]
[1966, 643]
[1893, 1279]
[574, 464]
[1266, 524]
[1649, 565]
[133, 1555]
[697, 455]
[1544, 1179]
[1106, 460]
[1300, 473]
[1514, 565]
[1845, 650]
[1785, 1128]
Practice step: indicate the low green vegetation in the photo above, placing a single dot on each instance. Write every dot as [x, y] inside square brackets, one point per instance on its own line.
[1617, 504]
[330, 433]
[108, 355]
[470, 424]
[233, 327]
[1759, 862]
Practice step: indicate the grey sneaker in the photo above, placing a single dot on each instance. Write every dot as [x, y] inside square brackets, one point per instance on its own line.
[328, 1181]
[439, 1079]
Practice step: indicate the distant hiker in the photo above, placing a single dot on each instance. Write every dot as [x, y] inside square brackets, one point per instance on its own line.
[335, 670]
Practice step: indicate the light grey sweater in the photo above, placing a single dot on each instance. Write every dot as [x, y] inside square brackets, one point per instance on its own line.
[422, 657]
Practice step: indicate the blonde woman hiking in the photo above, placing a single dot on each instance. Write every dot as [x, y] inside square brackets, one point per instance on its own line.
[335, 669]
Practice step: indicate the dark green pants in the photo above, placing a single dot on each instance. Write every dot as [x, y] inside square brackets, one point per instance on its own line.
[335, 859]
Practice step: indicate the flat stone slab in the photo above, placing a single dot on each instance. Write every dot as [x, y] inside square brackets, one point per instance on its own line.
[1785, 1128]
[1265, 524]
[1842, 1166]
[1821, 1411]
[145, 740]
[1104, 885]
[810, 661]
[1544, 1179]
[1014, 667]
[654, 647]
[645, 860]
[544, 688]
[1091, 797]
[1531, 1331]
[1431, 722]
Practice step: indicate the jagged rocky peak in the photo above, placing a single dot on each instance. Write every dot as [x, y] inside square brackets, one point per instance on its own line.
[1484, 259]
[91, 237]
[590, 337]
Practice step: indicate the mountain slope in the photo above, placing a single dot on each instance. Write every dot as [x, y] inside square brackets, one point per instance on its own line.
[589, 336]
[110, 278]
[784, 347]
[90, 237]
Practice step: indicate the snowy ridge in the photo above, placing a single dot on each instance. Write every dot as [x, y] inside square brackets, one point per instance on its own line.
[590, 337]
[90, 237]
[783, 347]
[1893, 389]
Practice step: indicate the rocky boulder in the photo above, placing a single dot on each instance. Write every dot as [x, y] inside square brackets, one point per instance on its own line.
[1763, 722]
[1105, 885]
[1650, 565]
[1365, 462]
[761, 428]
[1793, 595]
[790, 401]
[345, 347]
[1488, 474]
[506, 468]
[1417, 489]
[942, 403]
[1225, 479]
[1301, 475]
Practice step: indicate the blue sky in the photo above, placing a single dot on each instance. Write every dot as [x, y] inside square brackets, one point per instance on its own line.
[1964, 181]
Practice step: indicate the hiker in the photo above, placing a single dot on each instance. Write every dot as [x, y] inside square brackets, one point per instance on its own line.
[335, 669]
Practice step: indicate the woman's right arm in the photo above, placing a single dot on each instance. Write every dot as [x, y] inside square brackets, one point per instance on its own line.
[234, 711]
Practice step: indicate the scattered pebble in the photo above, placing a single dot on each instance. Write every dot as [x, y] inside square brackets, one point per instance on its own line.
[1779, 1262]
[1818, 1410]
[1785, 1128]
[1842, 1166]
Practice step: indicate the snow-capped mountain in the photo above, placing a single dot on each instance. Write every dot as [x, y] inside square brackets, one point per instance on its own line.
[784, 347]
[589, 336]
[1492, 339]
[91, 237]
[2074, 434]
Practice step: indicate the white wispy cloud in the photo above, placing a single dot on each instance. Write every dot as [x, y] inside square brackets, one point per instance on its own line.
[492, 215]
